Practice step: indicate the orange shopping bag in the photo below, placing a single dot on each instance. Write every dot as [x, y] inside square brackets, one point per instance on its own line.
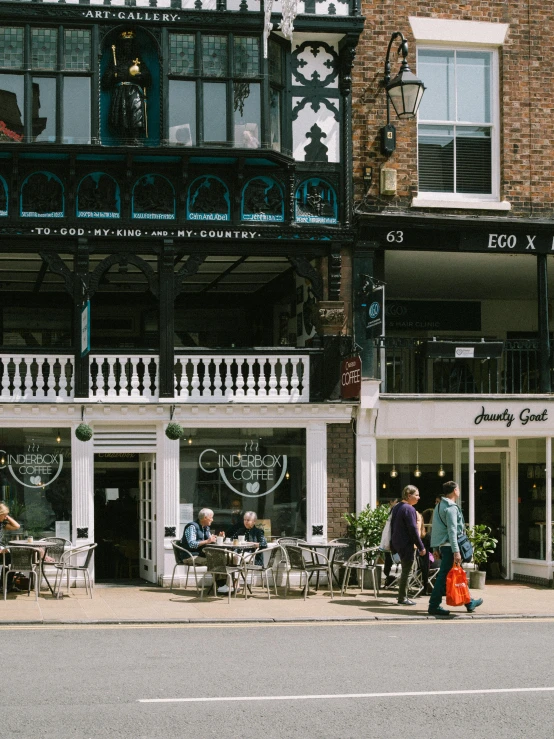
[457, 591]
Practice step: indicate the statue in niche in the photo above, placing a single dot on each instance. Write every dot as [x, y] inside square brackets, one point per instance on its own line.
[209, 197]
[316, 151]
[98, 196]
[316, 199]
[153, 195]
[261, 198]
[128, 77]
[42, 194]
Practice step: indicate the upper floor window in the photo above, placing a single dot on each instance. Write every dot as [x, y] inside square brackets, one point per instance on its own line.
[214, 90]
[458, 124]
[45, 85]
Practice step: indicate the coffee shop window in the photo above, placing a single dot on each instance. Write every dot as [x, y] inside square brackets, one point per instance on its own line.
[35, 480]
[425, 463]
[531, 501]
[233, 471]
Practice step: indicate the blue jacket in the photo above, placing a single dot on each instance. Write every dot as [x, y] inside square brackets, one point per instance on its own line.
[448, 525]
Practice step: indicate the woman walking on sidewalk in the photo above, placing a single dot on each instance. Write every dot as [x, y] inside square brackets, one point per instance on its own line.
[405, 539]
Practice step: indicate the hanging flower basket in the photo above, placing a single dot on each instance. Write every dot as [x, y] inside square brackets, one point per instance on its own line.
[174, 431]
[83, 432]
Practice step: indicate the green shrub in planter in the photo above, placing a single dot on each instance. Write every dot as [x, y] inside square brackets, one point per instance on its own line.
[174, 431]
[83, 432]
[482, 542]
[367, 527]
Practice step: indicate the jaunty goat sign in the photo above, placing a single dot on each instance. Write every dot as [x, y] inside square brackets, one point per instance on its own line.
[247, 472]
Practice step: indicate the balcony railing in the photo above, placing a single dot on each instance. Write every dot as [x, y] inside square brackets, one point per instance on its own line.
[274, 375]
[408, 366]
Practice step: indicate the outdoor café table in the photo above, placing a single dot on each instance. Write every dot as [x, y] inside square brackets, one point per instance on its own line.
[328, 549]
[41, 548]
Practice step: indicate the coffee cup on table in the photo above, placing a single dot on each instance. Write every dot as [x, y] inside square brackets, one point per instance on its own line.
[219, 540]
[241, 539]
[29, 538]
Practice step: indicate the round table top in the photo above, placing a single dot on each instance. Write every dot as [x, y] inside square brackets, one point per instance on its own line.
[230, 545]
[324, 545]
[35, 544]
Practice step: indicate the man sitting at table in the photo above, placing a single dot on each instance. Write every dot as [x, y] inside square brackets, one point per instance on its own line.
[197, 534]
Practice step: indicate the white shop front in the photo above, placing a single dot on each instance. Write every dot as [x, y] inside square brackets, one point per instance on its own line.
[499, 450]
[131, 490]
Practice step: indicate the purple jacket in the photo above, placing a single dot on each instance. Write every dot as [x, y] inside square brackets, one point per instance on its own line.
[404, 531]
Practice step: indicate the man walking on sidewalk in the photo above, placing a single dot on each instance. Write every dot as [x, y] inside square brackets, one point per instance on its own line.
[448, 525]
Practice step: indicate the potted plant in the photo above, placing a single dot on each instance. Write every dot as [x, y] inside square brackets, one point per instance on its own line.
[483, 545]
[367, 527]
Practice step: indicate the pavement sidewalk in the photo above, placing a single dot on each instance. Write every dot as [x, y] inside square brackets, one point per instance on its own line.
[146, 603]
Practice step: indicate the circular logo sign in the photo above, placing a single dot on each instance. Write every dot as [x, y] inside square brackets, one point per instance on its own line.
[374, 310]
[33, 468]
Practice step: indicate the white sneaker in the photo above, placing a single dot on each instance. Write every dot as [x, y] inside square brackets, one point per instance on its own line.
[223, 589]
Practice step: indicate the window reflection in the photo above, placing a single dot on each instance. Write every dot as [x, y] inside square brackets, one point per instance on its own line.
[215, 111]
[247, 115]
[44, 109]
[11, 107]
[275, 119]
[182, 113]
[76, 110]
[532, 498]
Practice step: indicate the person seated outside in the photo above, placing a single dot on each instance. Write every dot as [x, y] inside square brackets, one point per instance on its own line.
[197, 534]
[251, 533]
[249, 530]
[7, 523]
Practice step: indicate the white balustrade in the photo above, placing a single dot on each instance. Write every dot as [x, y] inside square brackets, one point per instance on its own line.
[129, 378]
[250, 378]
[36, 377]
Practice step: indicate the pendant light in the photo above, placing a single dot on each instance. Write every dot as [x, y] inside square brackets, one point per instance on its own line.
[394, 472]
[58, 437]
[441, 471]
[417, 471]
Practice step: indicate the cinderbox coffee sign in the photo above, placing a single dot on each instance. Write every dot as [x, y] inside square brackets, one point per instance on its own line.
[246, 472]
[32, 467]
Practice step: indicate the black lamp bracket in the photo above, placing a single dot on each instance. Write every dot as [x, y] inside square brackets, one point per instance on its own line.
[402, 49]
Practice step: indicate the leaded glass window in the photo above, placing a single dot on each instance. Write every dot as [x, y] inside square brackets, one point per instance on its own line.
[44, 48]
[77, 50]
[247, 56]
[181, 53]
[214, 56]
[275, 63]
[11, 47]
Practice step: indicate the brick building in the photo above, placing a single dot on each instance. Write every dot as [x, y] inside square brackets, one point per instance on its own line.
[458, 224]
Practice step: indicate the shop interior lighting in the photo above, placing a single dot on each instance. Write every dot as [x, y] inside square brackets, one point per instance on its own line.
[417, 471]
[441, 471]
[394, 472]
[58, 437]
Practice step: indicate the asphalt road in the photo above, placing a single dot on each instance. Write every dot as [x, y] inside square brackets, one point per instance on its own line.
[87, 682]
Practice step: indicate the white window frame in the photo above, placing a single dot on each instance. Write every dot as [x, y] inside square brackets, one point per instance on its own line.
[456, 35]
[494, 128]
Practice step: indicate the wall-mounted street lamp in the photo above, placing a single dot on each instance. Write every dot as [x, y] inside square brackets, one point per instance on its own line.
[404, 92]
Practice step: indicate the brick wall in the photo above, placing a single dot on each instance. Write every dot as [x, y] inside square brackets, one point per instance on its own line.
[526, 100]
[341, 477]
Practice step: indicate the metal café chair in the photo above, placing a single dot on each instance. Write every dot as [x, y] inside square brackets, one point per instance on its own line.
[26, 559]
[218, 567]
[261, 563]
[69, 564]
[342, 554]
[306, 562]
[365, 560]
[284, 541]
[184, 558]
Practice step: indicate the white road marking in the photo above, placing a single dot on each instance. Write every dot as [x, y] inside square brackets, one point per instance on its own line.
[223, 699]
